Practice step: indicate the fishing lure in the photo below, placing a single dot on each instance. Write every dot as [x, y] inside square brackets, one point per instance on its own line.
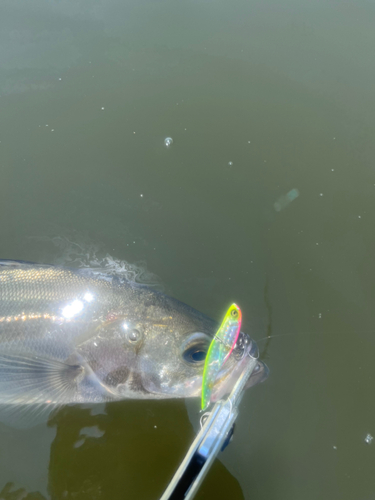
[220, 349]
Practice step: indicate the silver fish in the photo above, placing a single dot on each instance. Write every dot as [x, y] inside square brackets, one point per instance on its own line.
[78, 336]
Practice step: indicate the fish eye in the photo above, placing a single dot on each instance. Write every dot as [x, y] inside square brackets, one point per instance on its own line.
[195, 354]
[234, 313]
[134, 335]
[194, 349]
[198, 355]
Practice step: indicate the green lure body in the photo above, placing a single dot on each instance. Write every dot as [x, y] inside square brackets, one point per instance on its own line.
[220, 349]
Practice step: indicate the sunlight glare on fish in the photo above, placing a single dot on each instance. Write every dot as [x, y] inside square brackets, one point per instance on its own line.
[88, 297]
[72, 309]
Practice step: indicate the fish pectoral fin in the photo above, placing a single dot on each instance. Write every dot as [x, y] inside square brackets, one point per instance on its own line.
[32, 385]
[33, 379]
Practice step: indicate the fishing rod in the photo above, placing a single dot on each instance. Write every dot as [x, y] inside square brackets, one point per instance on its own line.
[216, 432]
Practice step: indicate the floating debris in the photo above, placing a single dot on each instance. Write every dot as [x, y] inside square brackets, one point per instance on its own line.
[369, 438]
[285, 199]
[168, 141]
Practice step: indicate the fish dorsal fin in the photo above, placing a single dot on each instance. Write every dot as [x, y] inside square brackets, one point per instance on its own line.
[32, 386]
[21, 263]
[87, 272]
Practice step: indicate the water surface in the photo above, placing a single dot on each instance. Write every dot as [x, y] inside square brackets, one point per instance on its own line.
[260, 99]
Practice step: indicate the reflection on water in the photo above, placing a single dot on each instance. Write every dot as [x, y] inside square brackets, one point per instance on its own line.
[133, 454]
[9, 492]
[127, 451]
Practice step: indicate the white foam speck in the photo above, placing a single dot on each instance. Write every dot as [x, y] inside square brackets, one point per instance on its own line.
[369, 438]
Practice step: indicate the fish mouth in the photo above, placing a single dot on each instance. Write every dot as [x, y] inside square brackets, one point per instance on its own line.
[230, 372]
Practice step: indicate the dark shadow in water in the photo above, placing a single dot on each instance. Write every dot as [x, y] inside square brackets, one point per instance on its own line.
[9, 493]
[130, 451]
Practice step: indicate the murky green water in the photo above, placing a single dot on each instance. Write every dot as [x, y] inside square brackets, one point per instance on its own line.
[259, 98]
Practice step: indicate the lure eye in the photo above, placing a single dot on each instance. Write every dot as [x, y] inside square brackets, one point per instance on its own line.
[234, 313]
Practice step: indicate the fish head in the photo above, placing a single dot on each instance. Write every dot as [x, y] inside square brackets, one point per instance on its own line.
[179, 371]
[157, 351]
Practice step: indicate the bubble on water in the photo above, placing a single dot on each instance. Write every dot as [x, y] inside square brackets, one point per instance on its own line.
[102, 108]
[230, 163]
[369, 438]
[168, 141]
